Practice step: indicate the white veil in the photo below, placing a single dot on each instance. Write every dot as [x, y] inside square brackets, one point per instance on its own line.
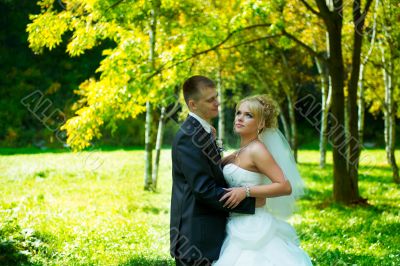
[279, 148]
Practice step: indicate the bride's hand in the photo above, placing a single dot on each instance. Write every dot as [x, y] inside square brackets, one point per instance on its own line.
[234, 196]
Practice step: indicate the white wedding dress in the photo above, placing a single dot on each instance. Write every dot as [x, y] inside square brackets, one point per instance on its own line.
[259, 239]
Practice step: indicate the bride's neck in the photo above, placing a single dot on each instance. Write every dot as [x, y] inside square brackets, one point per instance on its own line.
[245, 140]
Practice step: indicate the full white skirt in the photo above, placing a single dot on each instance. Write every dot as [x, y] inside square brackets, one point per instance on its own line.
[260, 239]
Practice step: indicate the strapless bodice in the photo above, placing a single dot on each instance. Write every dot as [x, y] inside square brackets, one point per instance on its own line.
[236, 176]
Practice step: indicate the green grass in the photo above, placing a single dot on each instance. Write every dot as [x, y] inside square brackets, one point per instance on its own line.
[90, 209]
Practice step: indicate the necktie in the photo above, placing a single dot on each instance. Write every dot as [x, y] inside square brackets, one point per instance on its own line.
[214, 133]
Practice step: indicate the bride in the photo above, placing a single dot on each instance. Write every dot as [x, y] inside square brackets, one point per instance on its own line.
[262, 167]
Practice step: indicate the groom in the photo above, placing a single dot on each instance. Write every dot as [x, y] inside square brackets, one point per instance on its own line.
[198, 218]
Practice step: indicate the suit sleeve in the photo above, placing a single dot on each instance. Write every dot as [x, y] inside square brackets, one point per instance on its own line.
[196, 169]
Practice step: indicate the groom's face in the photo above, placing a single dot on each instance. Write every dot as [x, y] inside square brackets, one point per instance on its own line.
[206, 106]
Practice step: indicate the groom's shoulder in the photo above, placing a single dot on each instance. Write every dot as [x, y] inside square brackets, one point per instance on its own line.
[188, 130]
[189, 127]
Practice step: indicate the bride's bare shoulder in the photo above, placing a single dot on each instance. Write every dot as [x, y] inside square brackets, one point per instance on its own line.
[258, 151]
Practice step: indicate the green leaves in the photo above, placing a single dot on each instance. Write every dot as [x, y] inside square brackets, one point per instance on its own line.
[187, 35]
[46, 30]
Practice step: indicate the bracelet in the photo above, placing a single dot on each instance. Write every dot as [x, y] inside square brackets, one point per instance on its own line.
[247, 191]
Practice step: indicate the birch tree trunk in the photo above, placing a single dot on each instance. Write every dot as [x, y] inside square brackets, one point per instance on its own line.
[148, 148]
[360, 94]
[148, 154]
[284, 124]
[326, 92]
[164, 116]
[221, 110]
[389, 114]
[160, 133]
[361, 105]
[347, 130]
[293, 127]
[291, 98]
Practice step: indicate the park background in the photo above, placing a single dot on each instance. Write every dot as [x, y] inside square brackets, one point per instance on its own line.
[90, 102]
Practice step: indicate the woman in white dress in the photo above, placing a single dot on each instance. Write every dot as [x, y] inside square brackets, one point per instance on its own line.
[262, 167]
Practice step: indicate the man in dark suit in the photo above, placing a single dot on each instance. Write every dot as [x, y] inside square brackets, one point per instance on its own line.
[198, 218]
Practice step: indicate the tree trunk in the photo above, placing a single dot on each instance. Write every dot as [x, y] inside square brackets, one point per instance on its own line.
[148, 154]
[159, 141]
[360, 94]
[389, 115]
[345, 184]
[353, 141]
[326, 92]
[284, 124]
[221, 112]
[160, 132]
[343, 191]
[361, 106]
[291, 95]
[347, 127]
[148, 128]
[293, 127]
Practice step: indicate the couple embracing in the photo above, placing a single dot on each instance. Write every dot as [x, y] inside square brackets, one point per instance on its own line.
[230, 211]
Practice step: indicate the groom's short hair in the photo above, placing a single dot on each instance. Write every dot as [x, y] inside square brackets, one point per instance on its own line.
[193, 86]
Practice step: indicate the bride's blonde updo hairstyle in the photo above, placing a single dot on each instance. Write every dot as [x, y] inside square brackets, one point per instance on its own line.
[265, 110]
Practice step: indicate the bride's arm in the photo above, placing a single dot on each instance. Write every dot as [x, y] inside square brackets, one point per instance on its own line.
[266, 165]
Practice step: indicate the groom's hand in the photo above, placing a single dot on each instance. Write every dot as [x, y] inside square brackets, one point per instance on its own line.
[260, 202]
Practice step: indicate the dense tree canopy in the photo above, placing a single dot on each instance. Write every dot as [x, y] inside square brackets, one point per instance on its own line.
[143, 50]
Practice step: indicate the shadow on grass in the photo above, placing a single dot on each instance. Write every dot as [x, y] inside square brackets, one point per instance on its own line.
[17, 245]
[352, 234]
[152, 209]
[142, 261]
[366, 174]
[329, 166]
[11, 255]
[18, 151]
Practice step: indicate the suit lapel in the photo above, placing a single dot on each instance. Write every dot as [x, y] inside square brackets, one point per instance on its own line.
[204, 141]
[192, 126]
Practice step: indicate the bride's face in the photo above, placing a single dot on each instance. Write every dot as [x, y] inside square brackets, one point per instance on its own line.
[245, 122]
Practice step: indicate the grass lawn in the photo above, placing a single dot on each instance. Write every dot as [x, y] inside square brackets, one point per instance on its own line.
[90, 209]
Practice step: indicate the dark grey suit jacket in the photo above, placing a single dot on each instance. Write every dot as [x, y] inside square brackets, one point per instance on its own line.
[198, 219]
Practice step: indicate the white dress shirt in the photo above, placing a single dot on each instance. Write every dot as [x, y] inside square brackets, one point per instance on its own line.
[204, 123]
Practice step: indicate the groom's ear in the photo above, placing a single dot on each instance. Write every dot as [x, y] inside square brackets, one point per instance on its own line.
[191, 104]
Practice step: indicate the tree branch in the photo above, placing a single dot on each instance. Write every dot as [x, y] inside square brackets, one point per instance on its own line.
[215, 47]
[305, 46]
[377, 95]
[174, 109]
[367, 7]
[115, 4]
[251, 41]
[307, 5]
[372, 45]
